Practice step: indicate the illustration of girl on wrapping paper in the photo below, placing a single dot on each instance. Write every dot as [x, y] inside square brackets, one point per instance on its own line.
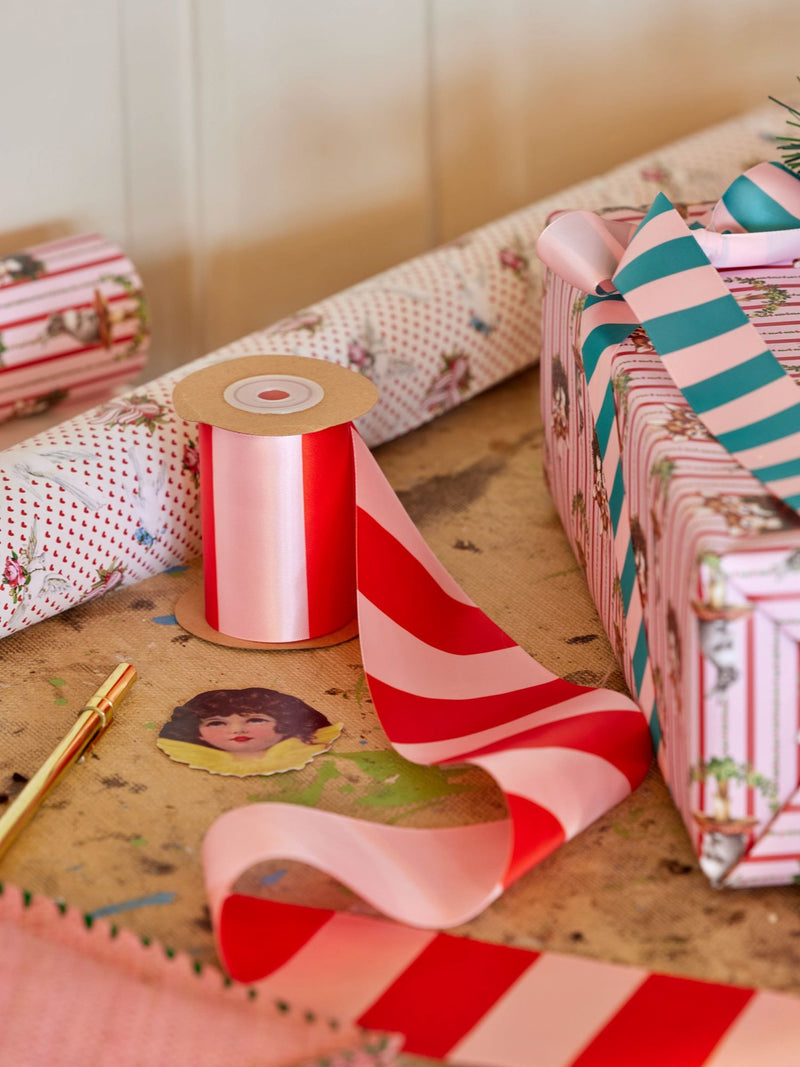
[246, 731]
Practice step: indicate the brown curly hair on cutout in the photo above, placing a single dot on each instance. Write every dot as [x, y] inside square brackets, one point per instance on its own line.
[293, 717]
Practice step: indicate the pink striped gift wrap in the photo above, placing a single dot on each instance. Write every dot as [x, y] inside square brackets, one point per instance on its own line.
[73, 323]
[717, 575]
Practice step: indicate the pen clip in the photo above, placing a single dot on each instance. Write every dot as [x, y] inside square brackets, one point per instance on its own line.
[105, 700]
[105, 720]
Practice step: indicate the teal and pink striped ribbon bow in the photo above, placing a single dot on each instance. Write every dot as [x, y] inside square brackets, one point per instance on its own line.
[663, 275]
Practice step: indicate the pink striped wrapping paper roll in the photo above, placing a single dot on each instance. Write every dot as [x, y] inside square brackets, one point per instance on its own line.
[73, 323]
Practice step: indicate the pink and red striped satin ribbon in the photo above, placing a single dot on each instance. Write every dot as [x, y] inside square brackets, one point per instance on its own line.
[278, 548]
[448, 685]
[468, 1002]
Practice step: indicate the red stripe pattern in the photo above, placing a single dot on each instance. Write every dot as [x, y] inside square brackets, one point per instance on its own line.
[408, 718]
[268, 933]
[73, 323]
[457, 990]
[433, 1005]
[447, 685]
[668, 1021]
[329, 529]
[391, 576]
[409, 589]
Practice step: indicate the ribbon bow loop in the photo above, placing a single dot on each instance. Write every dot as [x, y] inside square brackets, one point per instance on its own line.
[666, 278]
[756, 223]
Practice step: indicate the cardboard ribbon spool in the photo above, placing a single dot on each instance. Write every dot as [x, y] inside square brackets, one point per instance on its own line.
[278, 501]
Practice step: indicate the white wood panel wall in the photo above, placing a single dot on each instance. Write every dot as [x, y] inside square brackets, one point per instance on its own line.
[255, 155]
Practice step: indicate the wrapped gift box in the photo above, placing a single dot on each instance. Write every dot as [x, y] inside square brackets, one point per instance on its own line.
[717, 569]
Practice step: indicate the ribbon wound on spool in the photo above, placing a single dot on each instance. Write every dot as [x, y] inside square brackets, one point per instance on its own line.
[277, 493]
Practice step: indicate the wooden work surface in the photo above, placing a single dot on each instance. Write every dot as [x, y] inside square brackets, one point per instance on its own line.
[123, 831]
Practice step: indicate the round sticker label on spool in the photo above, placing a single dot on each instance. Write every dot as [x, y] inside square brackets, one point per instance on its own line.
[274, 394]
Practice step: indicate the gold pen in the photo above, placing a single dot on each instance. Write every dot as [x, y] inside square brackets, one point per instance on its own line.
[93, 720]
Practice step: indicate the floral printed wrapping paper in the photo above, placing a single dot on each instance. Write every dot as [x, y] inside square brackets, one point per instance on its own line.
[717, 563]
[73, 324]
[111, 496]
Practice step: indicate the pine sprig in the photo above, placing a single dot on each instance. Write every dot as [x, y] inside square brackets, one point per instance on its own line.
[789, 147]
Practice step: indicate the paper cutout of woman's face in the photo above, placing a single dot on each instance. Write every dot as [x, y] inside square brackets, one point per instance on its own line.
[246, 731]
[240, 733]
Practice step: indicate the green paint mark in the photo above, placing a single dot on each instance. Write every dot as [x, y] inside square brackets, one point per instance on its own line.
[621, 830]
[395, 783]
[308, 795]
[137, 842]
[379, 765]
[361, 688]
[406, 785]
[560, 574]
[150, 726]
[58, 684]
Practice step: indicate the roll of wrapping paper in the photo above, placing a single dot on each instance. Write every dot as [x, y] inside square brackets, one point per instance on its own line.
[277, 490]
[121, 481]
[73, 324]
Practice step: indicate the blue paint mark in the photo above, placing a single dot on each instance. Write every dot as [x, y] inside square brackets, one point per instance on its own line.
[71, 870]
[131, 905]
[271, 879]
[165, 620]
[176, 570]
[362, 742]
